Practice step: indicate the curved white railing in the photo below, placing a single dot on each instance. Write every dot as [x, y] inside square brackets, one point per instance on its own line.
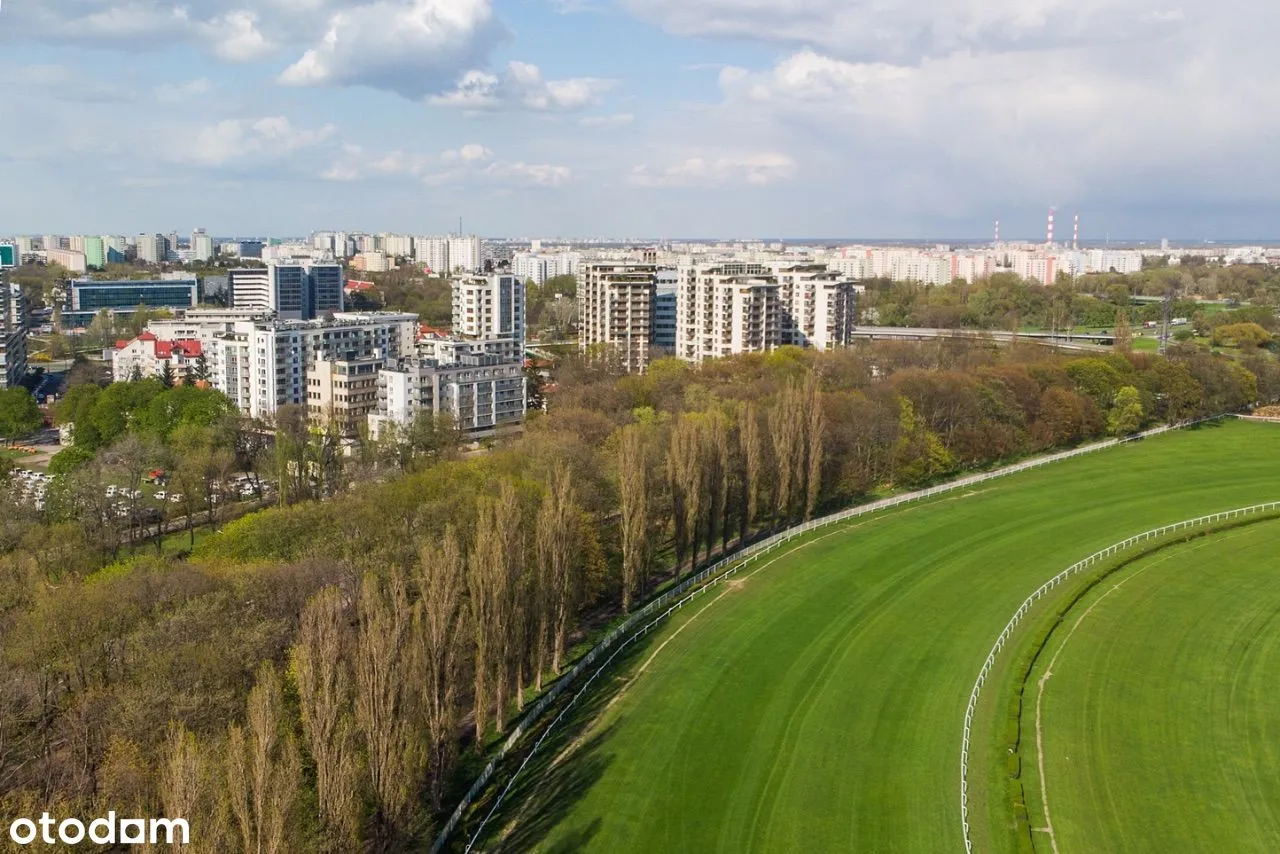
[639, 622]
[1078, 566]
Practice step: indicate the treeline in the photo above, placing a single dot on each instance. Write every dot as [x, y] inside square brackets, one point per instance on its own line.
[1006, 301]
[313, 677]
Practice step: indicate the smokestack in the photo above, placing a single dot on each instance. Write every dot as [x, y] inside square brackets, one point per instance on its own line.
[1075, 234]
[1049, 239]
[997, 241]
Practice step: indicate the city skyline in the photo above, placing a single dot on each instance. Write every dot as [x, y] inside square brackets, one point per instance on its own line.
[713, 117]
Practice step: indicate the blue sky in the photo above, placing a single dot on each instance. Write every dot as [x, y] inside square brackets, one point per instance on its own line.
[640, 118]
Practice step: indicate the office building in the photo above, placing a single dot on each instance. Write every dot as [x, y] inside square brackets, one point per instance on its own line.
[293, 291]
[85, 297]
[13, 334]
[490, 309]
[615, 309]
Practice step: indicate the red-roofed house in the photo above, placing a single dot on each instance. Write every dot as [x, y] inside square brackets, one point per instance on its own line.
[147, 355]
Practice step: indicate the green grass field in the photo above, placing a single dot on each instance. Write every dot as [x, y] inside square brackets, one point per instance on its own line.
[1161, 721]
[816, 705]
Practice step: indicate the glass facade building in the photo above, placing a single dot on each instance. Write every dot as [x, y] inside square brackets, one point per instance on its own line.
[87, 297]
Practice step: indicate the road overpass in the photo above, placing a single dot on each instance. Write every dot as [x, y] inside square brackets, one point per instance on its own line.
[910, 333]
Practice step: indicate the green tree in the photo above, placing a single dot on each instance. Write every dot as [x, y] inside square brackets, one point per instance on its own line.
[19, 414]
[1126, 414]
[166, 374]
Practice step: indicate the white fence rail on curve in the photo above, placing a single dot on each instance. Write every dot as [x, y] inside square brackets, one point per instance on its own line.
[1025, 607]
[644, 618]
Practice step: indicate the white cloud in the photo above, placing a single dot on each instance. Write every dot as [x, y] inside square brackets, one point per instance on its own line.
[535, 174]
[905, 30]
[236, 37]
[521, 86]
[752, 169]
[407, 46]
[177, 93]
[271, 137]
[468, 165]
[470, 153]
[615, 121]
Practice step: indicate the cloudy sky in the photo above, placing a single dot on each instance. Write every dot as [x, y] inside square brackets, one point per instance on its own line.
[822, 118]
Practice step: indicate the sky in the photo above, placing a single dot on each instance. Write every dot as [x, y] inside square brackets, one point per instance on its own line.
[641, 118]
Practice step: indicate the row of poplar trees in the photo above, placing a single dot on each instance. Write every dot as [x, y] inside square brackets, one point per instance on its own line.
[716, 477]
[380, 683]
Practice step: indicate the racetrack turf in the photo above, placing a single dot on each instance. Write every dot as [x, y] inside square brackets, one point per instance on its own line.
[817, 706]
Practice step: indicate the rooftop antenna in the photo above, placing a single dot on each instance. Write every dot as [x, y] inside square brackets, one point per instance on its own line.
[1049, 239]
[1075, 234]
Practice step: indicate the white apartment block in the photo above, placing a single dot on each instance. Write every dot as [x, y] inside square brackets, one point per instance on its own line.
[491, 308]
[540, 267]
[396, 245]
[730, 308]
[201, 245]
[464, 254]
[153, 248]
[262, 366]
[432, 252]
[13, 335]
[616, 304]
[68, 258]
[480, 392]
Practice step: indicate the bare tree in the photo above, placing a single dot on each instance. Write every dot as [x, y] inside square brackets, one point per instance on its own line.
[684, 471]
[715, 439]
[557, 544]
[385, 707]
[191, 788]
[441, 622]
[263, 770]
[324, 698]
[633, 484]
[786, 424]
[495, 566]
[814, 425]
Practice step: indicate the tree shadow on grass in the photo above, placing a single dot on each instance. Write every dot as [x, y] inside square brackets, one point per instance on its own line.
[574, 757]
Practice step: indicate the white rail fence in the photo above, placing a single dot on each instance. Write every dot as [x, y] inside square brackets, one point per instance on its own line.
[1042, 590]
[644, 618]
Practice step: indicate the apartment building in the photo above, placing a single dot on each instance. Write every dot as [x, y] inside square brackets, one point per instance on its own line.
[480, 391]
[263, 365]
[728, 308]
[13, 334]
[343, 392]
[491, 309]
[147, 355]
[616, 309]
